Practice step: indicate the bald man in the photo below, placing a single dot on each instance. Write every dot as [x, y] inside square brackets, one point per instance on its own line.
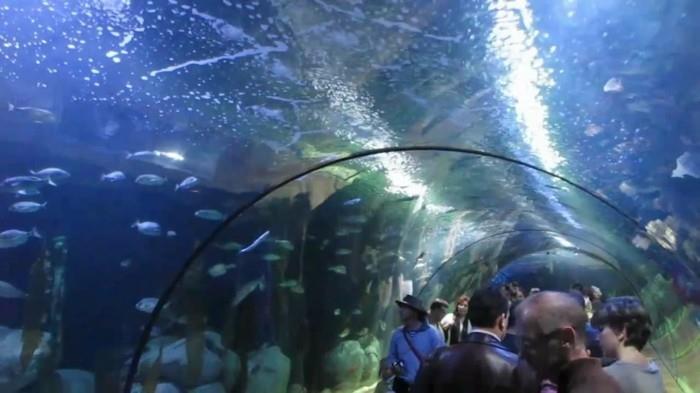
[553, 330]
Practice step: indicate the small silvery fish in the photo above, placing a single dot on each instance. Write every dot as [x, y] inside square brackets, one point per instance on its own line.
[255, 243]
[339, 269]
[271, 257]
[141, 154]
[150, 180]
[356, 311]
[113, 177]
[613, 85]
[343, 251]
[220, 269]
[210, 214]
[352, 202]
[28, 191]
[355, 219]
[148, 228]
[25, 181]
[36, 115]
[187, 184]
[288, 284]
[344, 333]
[27, 207]
[171, 233]
[125, 263]
[147, 304]
[51, 173]
[285, 244]
[15, 237]
[247, 289]
[363, 332]
[336, 312]
[8, 291]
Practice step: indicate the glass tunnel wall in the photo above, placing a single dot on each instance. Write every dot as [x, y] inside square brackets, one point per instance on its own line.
[308, 298]
[154, 121]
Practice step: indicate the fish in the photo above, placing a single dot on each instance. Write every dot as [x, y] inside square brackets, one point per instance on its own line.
[285, 244]
[187, 184]
[52, 174]
[147, 304]
[141, 154]
[25, 181]
[336, 312]
[247, 289]
[382, 325]
[113, 177]
[271, 257]
[354, 231]
[15, 237]
[36, 115]
[171, 233]
[363, 332]
[220, 269]
[342, 232]
[8, 291]
[299, 290]
[149, 154]
[150, 180]
[229, 246]
[28, 191]
[288, 284]
[355, 219]
[339, 269]
[255, 243]
[357, 311]
[27, 207]
[593, 130]
[352, 202]
[148, 228]
[210, 214]
[125, 263]
[369, 287]
[344, 333]
[343, 251]
[613, 85]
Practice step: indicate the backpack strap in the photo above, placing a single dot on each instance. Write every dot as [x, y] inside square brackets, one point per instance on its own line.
[413, 348]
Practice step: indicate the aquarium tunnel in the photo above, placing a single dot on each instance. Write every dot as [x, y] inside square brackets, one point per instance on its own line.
[212, 196]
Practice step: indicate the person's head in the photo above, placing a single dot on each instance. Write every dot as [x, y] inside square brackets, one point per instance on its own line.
[578, 287]
[624, 323]
[462, 305]
[594, 293]
[438, 310]
[552, 327]
[488, 309]
[411, 309]
[533, 291]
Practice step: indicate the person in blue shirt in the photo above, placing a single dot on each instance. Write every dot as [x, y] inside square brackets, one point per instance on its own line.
[410, 344]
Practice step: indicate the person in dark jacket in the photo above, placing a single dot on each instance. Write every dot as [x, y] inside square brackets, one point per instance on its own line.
[480, 364]
[553, 339]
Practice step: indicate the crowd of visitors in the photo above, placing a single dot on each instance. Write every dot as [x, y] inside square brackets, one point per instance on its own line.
[499, 340]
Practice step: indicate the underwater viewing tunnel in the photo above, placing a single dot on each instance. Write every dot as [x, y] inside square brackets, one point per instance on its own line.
[212, 196]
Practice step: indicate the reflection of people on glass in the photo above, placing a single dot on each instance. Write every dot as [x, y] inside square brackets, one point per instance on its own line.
[456, 324]
[410, 344]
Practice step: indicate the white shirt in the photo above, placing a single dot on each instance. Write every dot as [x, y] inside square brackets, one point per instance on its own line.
[477, 330]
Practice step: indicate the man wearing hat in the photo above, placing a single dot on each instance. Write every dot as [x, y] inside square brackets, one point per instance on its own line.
[410, 344]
